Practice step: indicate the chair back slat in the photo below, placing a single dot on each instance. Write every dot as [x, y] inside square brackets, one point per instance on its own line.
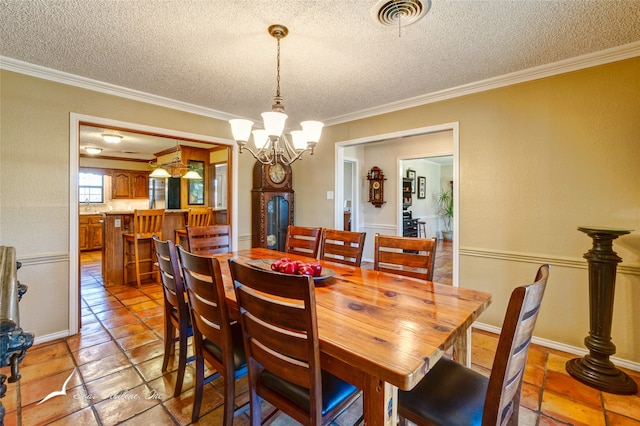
[342, 246]
[412, 257]
[205, 290]
[148, 222]
[212, 239]
[505, 384]
[200, 216]
[280, 332]
[303, 240]
[170, 275]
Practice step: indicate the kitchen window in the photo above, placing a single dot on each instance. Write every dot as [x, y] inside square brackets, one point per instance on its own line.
[91, 188]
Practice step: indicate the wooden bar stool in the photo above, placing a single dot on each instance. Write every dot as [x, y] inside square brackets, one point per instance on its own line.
[200, 216]
[422, 229]
[146, 224]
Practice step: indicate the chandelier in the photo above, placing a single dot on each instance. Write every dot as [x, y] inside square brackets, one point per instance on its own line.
[272, 145]
[173, 168]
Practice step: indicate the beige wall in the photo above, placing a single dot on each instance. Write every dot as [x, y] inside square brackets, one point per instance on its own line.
[536, 160]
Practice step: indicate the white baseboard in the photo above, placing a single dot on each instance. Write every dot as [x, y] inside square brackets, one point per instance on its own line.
[619, 362]
[51, 337]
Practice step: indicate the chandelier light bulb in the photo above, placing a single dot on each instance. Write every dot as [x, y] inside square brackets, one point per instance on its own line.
[274, 123]
[260, 138]
[241, 129]
[312, 130]
[299, 139]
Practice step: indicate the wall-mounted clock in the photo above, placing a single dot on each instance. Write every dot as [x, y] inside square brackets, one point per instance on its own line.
[376, 186]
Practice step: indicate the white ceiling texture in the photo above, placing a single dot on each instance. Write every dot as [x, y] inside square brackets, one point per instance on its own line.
[337, 62]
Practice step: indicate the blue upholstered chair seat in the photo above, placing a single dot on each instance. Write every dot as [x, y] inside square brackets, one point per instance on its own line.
[450, 394]
[334, 390]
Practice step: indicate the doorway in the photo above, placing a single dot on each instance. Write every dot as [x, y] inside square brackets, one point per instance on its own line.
[76, 120]
[402, 145]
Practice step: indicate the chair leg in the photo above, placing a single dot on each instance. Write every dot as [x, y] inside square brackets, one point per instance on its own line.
[199, 387]
[169, 335]
[182, 362]
[256, 409]
[137, 262]
[229, 397]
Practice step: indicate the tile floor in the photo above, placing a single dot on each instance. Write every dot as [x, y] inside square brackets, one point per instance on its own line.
[113, 367]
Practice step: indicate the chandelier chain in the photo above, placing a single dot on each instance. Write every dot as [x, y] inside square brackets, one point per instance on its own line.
[278, 70]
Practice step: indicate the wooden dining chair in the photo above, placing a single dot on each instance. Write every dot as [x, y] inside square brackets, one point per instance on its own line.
[196, 216]
[176, 311]
[146, 224]
[216, 339]
[411, 257]
[303, 240]
[342, 246]
[280, 333]
[212, 239]
[452, 394]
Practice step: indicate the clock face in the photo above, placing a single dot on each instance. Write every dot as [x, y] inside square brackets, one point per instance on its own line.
[376, 185]
[277, 173]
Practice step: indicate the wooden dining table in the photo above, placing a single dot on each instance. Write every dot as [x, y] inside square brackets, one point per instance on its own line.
[379, 331]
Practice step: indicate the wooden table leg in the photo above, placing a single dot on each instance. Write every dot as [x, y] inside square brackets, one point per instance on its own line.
[380, 403]
[461, 353]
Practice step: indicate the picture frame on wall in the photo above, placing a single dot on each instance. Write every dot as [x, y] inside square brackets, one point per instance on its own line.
[196, 186]
[422, 187]
[411, 174]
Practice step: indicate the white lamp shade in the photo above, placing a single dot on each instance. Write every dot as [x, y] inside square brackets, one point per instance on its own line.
[260, 138]
[298, 139]
[111, 138]
[274, 122]
[192, 174]
[312, 129]
[160, 173]
[93, 150]
[241, 129]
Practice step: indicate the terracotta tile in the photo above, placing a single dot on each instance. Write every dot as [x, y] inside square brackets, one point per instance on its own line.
[548, 421]
[39, 371]
[626, 405]
[146, 352]
[96, 352]
[568, 410]
[111, 385]
[151, 312]
[143, 306]
[562, 383]
[530, 396]
[182, 406]
[138, 339]
[125, 405]
[135, 300]
[52, 409]
[157, 415]
[103, 367]
[152, 369]
[615, 419]
[34, 391]
[83, 340]
[120, 319]
[128, 329]
[38, 354]
[84, 417]
[557, 362]
[106, 306]
[527, 417]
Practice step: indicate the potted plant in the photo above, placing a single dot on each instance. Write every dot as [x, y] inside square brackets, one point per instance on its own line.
[445, 211]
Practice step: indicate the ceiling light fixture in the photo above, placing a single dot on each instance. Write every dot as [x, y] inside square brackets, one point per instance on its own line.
[272, 145]
[92, 150]
[173, 168]
[110, 138]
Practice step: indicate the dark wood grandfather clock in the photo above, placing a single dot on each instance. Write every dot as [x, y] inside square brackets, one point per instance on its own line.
[271, 205]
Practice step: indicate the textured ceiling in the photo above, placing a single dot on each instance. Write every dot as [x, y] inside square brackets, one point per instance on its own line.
[336, 60]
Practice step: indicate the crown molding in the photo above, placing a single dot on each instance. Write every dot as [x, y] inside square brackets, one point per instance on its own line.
[50, 74]
[614, 54]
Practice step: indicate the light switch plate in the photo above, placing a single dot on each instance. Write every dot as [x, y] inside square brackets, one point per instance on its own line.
[116, 223]
[329, 195]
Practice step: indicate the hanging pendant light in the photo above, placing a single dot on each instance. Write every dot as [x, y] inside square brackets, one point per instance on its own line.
[272, 145]
[175, 166]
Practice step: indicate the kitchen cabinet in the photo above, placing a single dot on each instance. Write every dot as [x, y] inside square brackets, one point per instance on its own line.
[129, 184]
[90, 232]
[409, 227]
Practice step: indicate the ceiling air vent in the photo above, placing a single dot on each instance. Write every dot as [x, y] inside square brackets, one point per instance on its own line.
[399, 13]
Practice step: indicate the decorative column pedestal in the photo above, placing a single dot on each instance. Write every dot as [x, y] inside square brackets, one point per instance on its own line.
[595, 369]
